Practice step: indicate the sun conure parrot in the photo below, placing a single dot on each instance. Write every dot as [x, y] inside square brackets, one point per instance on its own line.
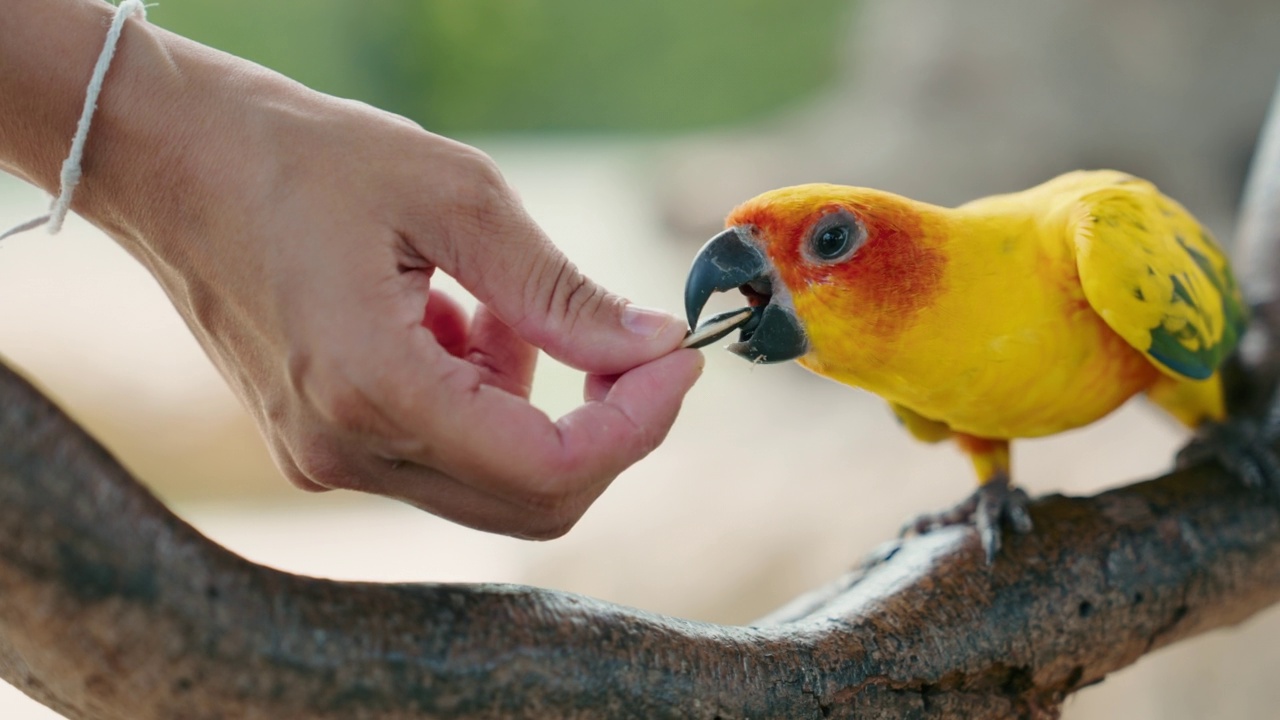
[1012, 316]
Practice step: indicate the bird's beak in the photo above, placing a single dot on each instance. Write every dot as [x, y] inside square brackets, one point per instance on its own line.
[733, 259]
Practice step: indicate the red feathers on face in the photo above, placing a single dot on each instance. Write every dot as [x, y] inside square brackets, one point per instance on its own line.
[894, 274]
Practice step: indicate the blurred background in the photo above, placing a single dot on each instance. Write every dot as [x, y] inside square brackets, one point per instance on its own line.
[630, 130]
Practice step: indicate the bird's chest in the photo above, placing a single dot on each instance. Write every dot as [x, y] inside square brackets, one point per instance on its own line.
[1025, 357]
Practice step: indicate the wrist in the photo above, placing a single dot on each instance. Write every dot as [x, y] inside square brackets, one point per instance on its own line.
[164, 138]
[47, 50]
[169, 112]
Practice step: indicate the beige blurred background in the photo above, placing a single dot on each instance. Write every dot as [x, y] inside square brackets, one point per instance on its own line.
[773, 481]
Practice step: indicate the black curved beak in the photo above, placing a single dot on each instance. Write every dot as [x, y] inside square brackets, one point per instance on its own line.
[732, 260]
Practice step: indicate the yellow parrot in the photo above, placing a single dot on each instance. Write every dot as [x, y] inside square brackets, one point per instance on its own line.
[1012, 316]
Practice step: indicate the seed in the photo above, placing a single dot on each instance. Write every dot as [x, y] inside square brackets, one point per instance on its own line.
[716, 327]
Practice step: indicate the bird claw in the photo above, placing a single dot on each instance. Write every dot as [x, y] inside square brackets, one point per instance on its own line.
[1242, 446]
[988, 509]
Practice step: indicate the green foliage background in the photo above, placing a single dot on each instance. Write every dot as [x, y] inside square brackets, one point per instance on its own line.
[459, 66]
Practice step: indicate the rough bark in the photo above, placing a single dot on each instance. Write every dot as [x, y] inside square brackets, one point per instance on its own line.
[112, 607]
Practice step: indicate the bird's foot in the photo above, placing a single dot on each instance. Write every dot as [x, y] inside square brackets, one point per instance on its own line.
[992, 505]
[1240, 445]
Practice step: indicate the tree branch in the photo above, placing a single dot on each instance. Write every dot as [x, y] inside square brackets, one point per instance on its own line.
[112, 607]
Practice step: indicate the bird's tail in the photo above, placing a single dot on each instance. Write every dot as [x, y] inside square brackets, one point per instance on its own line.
[1254, 376]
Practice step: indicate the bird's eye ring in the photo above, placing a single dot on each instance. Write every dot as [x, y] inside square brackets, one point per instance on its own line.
[836, 237]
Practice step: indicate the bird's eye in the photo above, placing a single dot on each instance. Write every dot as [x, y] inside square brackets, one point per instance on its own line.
[836, 238]
[831, 243]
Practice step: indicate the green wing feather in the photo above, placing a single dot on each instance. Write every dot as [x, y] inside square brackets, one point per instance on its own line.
[1158, 279]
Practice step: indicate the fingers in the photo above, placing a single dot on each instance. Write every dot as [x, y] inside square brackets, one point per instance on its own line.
[506, 361]
[447, 321]
[597, 387]
[503, 447]
[626, 417]
[457, 436]
[495, 462]
[340, 464]
[494, 249]
[591, 444]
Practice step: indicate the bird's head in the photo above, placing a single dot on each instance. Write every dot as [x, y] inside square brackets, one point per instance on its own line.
[838, 260]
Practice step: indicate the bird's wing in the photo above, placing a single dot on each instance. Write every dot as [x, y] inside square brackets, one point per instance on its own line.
[1157, 278]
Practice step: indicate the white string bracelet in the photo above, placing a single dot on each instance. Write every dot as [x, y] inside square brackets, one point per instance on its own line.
[70, 176]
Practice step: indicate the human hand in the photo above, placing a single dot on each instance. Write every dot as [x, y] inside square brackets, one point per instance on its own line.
[355, 388]
[297, 235]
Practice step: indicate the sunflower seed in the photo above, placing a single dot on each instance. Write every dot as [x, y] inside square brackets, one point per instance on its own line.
[716, 327]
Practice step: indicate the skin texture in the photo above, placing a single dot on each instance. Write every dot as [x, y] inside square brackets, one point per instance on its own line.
[1012, 316]
[297, 234]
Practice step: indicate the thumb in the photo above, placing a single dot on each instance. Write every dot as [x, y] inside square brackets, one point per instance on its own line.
[580, 323]
[501, 256]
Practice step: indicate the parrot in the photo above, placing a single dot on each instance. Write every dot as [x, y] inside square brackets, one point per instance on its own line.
[1018, 315]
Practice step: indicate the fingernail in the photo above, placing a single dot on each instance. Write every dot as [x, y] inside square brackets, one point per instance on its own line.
[646, 322]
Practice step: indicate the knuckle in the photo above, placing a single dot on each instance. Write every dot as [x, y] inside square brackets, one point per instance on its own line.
[482, 192]
[406, 122]
[563, 293]
[570, 292]
[477, 204]
[485, 174]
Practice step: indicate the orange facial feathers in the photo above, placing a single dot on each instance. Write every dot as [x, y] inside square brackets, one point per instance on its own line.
[898, 270]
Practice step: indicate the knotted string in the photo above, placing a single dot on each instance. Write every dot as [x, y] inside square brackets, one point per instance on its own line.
[70, 176]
